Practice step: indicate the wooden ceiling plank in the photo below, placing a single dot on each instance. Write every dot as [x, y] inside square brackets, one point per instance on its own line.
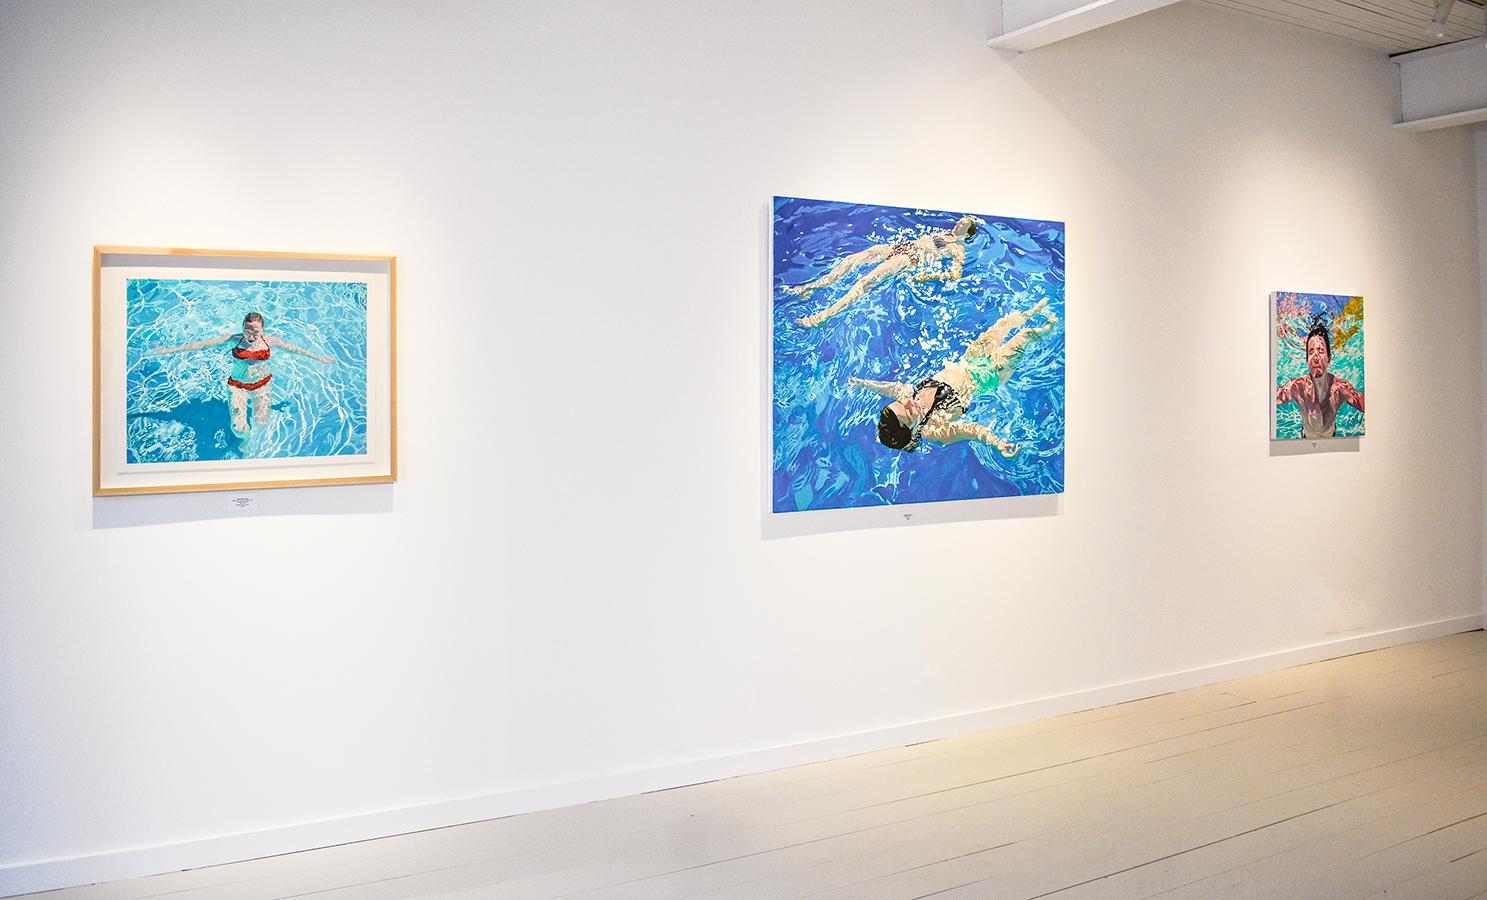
[1360, 16]
[1315, 18]
[1411, 35]
[1395, 26]
[1414, 19]
[1312, 22]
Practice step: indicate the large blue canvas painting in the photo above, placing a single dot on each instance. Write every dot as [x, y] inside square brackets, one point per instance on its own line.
[918, 355]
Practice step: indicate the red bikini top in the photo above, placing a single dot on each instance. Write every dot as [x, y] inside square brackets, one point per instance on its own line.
[255, 355]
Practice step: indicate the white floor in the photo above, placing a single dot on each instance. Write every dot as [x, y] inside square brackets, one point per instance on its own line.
[1357, 777]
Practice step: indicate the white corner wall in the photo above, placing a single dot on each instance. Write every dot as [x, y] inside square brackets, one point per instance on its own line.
[571, 596]
[1481, 182]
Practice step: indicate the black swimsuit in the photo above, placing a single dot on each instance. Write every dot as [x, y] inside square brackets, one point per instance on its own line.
[946, 398]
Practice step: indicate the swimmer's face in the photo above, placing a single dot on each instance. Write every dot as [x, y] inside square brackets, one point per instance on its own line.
[252, 329]
[964, 226]
[910, 412]
[1317, 357]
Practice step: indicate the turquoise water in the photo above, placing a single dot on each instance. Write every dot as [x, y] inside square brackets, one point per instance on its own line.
[177, 404]
[826, 453]
[1294, 314]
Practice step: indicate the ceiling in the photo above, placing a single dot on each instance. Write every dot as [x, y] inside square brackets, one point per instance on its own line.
[1394, 26]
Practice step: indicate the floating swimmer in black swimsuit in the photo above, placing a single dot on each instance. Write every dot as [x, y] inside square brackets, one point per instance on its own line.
[931, 409]
[892, 259]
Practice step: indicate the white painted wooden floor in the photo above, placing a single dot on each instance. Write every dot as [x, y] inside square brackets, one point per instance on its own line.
[1364, 776]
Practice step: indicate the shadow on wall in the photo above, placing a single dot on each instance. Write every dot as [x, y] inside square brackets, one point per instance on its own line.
[1149, 114]
[797, 524]
[137, 510]
[1150, 111]
[1308, 446]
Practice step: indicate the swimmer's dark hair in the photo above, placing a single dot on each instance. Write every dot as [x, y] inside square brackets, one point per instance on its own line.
[892, 432]
[971, 232]
[1319, 327]
[254, 317]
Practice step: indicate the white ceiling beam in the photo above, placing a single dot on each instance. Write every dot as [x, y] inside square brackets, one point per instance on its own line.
[1443, 86]
[1029, 24]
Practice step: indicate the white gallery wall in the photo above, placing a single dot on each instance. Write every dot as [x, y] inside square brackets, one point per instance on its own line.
[1481, 157]
[571, 591]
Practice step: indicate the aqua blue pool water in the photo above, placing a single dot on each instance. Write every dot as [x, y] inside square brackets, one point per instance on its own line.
[1294, 317]
[826, 453]
[177, 404]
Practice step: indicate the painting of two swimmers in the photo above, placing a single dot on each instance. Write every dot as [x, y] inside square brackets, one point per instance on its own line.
[918, 355]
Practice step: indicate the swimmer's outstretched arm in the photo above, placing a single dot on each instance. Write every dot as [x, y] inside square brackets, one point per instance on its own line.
[209, 342]
[280, 342]
[950, 432]
[1294, 391]
[1344, 392]
[895, 389]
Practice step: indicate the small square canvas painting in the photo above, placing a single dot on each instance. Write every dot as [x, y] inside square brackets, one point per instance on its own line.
[918, 355]
[1316, 365]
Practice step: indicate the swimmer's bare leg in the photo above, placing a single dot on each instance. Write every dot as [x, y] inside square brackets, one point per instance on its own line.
[262, 403]
[838, 271]
[1021, 339]
[237, 401]
[1007, 354]
[884, 270]
[993, 337]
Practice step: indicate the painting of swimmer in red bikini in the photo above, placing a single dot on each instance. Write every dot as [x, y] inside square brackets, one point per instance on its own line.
[243, 368]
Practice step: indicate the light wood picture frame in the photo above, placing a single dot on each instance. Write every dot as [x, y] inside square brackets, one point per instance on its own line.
[220, 370]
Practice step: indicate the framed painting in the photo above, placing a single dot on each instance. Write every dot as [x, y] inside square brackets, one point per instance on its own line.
[228, 369]
[917, 355]
[1316, 365]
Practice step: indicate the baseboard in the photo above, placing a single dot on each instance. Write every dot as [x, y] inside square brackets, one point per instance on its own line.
[140, 861]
